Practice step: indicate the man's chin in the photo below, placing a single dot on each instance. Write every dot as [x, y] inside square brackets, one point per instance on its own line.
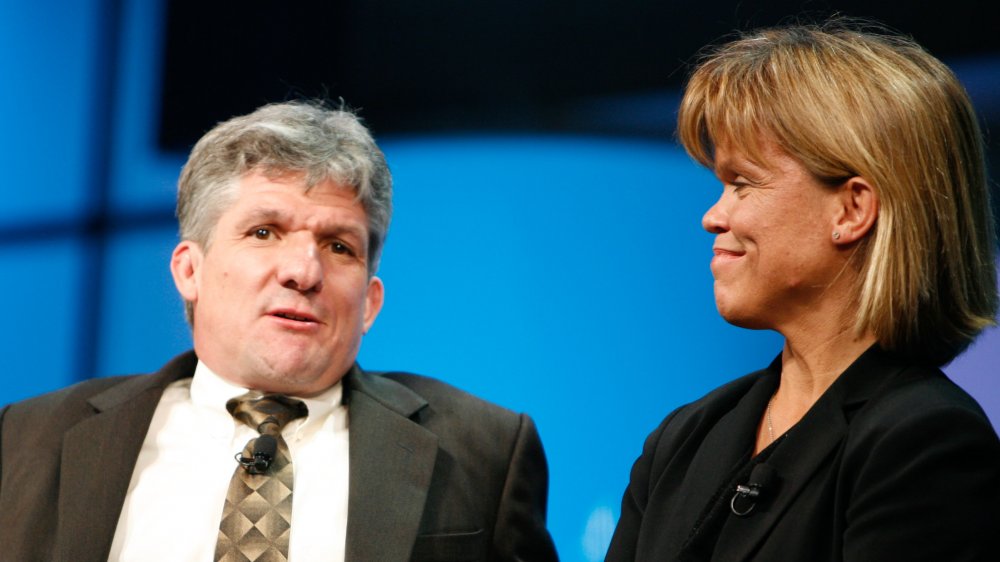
[285, 375]
[287, 384]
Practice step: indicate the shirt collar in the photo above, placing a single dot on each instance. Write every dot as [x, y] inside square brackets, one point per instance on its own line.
[210, 392]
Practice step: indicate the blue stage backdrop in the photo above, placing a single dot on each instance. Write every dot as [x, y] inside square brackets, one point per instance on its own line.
[563, 276]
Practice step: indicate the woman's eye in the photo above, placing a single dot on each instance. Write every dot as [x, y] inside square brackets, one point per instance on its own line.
[741, 188]
[262, 233]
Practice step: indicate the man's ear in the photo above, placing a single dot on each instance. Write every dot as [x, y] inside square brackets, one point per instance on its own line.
[185, 266]
[373, 301]
[857, 211]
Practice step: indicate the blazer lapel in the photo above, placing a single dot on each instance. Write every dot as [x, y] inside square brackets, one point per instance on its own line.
[98, 456]
[804, 450]
[807, 446]
[391, 463]
[723, 448]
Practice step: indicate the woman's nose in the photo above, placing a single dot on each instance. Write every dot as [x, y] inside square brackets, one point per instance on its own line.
[715, 219]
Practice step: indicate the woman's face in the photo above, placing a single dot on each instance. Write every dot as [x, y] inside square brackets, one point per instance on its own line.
[774, 249]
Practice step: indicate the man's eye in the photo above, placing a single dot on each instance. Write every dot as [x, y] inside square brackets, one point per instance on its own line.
[340, 248]
[262, 233]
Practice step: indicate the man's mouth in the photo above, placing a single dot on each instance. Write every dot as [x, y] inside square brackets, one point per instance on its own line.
[295, 317]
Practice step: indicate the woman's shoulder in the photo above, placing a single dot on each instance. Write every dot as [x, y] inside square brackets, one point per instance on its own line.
[691, 421]
[917, 392]
[721, 399]
[920, 460]
[920, 412]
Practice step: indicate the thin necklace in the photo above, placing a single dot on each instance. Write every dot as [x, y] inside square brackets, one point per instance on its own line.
[770, 428]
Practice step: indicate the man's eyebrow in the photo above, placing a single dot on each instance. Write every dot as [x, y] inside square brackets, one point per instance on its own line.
[346, 230]
[263, 215]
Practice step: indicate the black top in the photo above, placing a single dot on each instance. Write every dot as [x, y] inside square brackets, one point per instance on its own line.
[893, 462]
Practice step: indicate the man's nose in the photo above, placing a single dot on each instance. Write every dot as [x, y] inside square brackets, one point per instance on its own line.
[301, 267]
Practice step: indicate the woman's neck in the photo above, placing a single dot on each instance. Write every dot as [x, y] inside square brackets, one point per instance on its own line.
[813, 358]
[809, 368]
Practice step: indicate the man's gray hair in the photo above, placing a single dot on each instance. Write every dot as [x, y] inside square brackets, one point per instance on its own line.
[292, 138]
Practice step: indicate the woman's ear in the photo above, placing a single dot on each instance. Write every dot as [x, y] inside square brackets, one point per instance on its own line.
[857, 211]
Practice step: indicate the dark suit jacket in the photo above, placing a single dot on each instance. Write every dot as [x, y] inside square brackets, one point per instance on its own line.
[436, 474]
[894, 462]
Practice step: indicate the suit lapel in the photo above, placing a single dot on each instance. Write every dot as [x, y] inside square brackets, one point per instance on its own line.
[391, 463]
[723, 448]
[811, 441]
[807, 447]
[98, 456]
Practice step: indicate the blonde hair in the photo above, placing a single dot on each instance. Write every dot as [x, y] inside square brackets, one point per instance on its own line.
[849, 102]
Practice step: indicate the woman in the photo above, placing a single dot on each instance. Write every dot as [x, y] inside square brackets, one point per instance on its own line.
[854, 220]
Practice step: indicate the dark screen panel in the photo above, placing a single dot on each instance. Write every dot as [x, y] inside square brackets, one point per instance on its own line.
[498, 64]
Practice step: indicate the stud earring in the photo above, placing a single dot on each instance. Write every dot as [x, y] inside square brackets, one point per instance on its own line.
[836, 235]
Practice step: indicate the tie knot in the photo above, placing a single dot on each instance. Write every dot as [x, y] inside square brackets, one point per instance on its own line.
[267, 413]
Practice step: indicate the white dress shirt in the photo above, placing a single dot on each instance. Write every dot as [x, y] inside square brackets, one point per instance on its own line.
[178, 488]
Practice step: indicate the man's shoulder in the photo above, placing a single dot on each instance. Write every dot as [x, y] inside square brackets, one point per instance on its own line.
[439, 395]
[441, 407]
[41, 420]
[76, 393]
[80, 398]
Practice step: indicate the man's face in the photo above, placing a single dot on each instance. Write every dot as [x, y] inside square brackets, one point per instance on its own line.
[282, 296]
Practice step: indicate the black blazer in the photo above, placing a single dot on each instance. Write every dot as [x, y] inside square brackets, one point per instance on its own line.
[436, 474]
[893, 462]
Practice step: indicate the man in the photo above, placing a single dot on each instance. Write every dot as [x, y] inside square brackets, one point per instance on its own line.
[282, 217]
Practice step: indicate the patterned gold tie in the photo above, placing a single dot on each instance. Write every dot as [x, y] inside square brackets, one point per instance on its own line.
[256, 520]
